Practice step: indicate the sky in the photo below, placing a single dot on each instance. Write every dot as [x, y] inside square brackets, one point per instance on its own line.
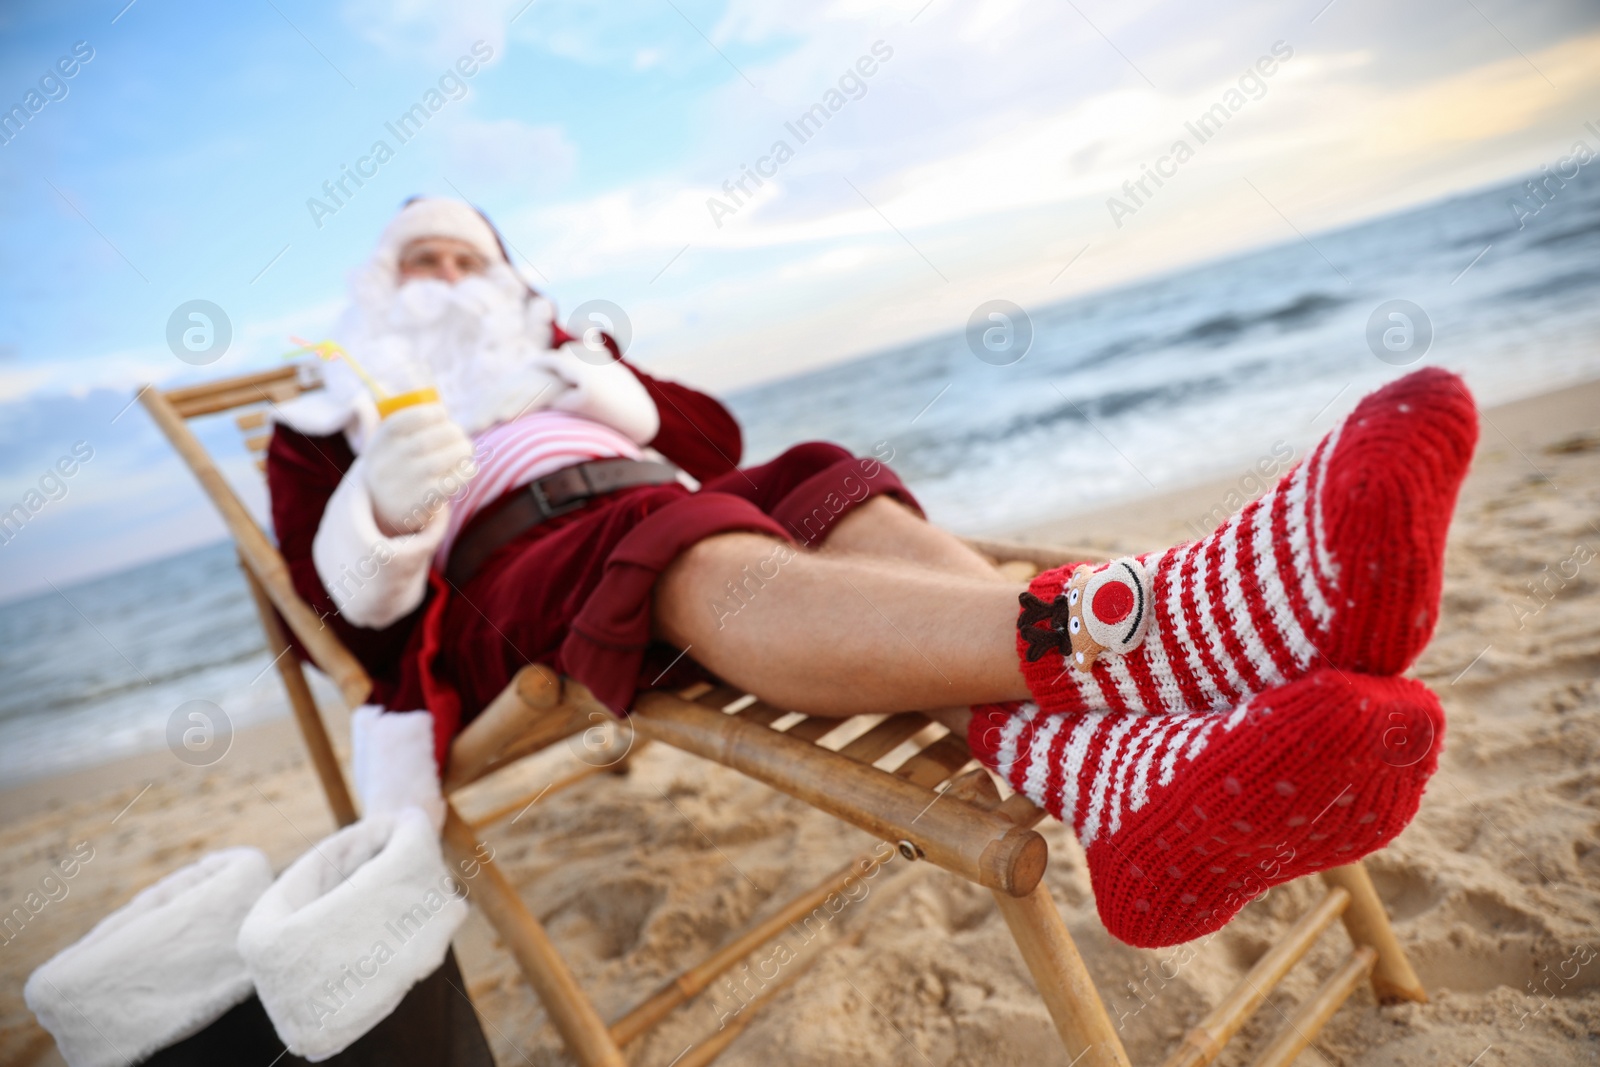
[956, 153]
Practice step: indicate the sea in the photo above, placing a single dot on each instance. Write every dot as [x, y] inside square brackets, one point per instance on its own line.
[1172, 380]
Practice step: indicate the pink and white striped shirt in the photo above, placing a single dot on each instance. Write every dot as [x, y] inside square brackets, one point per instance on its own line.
[512, 454]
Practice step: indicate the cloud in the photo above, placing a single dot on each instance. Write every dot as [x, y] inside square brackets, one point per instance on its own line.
[256, 345]
[806, 272]
[494, 154]
[432, 33]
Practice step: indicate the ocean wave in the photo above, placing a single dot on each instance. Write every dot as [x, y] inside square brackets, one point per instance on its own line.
[1304, 310]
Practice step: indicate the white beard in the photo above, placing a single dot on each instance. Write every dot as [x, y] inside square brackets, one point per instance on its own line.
[475, 341]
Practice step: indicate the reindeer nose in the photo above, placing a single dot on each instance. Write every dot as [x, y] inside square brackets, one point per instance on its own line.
[1112, 603]
[1118, 605]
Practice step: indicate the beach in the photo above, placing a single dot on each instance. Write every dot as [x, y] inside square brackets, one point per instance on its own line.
[1494, 889]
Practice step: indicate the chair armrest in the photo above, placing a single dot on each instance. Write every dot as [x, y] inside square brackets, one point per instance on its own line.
[982, 846]
[535, 711]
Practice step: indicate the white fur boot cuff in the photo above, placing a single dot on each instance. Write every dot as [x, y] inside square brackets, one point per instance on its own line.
[391, 755]
[342, 935]
[160, 968]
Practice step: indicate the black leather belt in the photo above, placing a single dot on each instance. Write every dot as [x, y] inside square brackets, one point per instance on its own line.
[555, 494]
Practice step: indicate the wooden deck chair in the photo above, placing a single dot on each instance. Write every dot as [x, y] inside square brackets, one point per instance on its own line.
[970, 832]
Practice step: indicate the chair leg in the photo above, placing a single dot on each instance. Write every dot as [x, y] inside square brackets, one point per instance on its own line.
[1367, 923]
[312, 729]
[1064, 984]
[574, 1015]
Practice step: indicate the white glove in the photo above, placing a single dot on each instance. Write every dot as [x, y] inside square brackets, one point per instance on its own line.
[608, 393]
[416, 460]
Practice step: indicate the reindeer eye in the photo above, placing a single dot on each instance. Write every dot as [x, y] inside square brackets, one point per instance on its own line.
[1075, 625]
[1072, 598]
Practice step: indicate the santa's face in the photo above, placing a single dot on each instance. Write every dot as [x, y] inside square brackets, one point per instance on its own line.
[444, 259]
[451, 313]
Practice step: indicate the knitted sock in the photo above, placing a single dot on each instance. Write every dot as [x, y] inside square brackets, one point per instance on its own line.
[1186, 818]
[1339, 565]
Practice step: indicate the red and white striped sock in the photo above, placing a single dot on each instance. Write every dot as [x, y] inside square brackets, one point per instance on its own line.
[1339, 565]
[1186, 818]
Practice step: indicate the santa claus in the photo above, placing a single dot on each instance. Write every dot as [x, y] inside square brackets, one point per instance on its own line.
[557, 504]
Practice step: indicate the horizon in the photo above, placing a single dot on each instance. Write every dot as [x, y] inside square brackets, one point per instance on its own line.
[952, 156]
[250, 485]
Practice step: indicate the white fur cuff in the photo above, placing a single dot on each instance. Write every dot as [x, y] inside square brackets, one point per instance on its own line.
[340, 938]
[374, 580]
[392, 758]
[157, 970]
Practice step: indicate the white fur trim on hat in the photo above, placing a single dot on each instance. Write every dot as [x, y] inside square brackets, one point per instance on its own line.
[437, 217]
[162, 967]
[340, 938]
[392, 757]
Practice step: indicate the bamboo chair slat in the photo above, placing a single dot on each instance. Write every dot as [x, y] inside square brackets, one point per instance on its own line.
[307, 717]
[250, 420]
[569, 1007]
[1047, 948]
[289, 373]
[260, 555]
[718, 697]
[1205, 1041]
[1064, 984]
[527, 797]
[885, 737]
[237, 395]
[1301, 1028]
[689, 984]
[762, 714]
[980, 846]
[1022, 811]
[258, 442]
[708, 1050]
[1367, 922]
[935, 763]
[527, 715]
[814, 728]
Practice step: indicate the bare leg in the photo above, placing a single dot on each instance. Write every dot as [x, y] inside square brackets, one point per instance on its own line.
[833, 634]
[885, 528]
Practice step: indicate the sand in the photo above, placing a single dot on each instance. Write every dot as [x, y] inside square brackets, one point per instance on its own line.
[1494, 889]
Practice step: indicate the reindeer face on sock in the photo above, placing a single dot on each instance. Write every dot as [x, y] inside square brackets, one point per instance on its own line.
[1100, 610]
[1108, 610]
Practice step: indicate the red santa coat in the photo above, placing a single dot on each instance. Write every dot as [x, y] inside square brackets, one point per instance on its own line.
[574, 592]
